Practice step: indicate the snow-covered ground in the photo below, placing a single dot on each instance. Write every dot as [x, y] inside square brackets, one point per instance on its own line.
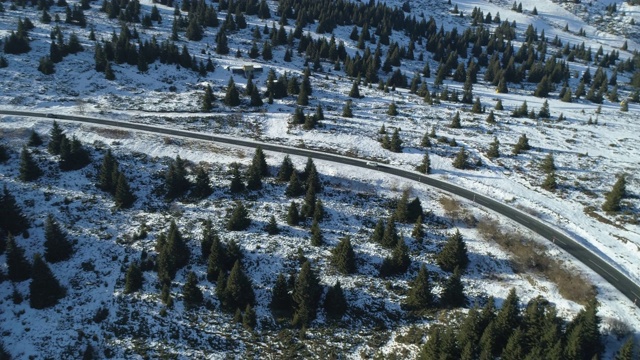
[587, 157]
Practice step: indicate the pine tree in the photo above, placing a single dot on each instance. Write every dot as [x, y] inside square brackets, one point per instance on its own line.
[134, 279]
[453, 293]
[259, 161]
[521, 145]
[335, 303]
[425, 141]
[507, 319]
[4, 154]
[316, 234]
[239, 219]
[355, 91]
[11, 218]
[294, 188]
[191, 292]
[432, 348]
[239, 290]
[249, 318]
[418, 232]
[293, 216]
[44, 289]
[306, 295]
[514, 348]
[393, 109]
[232, 96]
[105, 174]
[617, 193]
[55, 136]
[346, 110]
[627, 349]
[207, 98]
[378, 232]
[254, 180]
[57, 246]
[176, 182]
[460, 162]
[544, 112]
[390, 237]
[18, 266]
[34, 139]
[272, 226]
[286, 169]
[453, 254]
[399, 261]
[202, 188]
[124, 197]
[425, 165]
[494, 149]
[108, 72]
[455, 122]
[29, 169]
[281, 300]
[343, 258]
[550, 182]
[395, 144]
[236, 183]
[216, 259]
[419, 296]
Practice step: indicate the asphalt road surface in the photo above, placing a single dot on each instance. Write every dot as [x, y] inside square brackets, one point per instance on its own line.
[616, 278]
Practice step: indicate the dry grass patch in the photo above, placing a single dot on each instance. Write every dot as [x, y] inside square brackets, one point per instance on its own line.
[529, 256]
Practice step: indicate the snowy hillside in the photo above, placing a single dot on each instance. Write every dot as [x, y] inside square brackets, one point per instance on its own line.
[591, 144]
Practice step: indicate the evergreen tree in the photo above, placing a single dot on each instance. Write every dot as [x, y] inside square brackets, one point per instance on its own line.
[627, 349]
[425, 141]
[202, 188]
[232, 96]
[55, 136]
[453, 254]
[507, 319]
[399, 261]
[294, 188]
[216, 259]
[260, 163]
[286, 169]
[393, 109]
[105, 174]
[544, 112]
[254, 180]
[134, 279]
[335, 303]
[343, 258]
[29, 169]
[4, 154]
[316, 234]
[44, 289]
[378, 232]
[18, 266]
[491, 119]
[455, 122]
[57, 246]
[494, 149]
[239, 219]
[419, 296]
[460, 161]
[453, 293]
[425, 165]
[617, 193]
[390, 236]
[395, 144]
[11, 218]
[34, 139]
[521, 145]
[207, 98]
[176, 182]
[346, 110]
[281, 300]
[191, 292]
[238, 290]
[124, 197]
[249, 319]
[272, 226]
[236, 183]
[355, 90]
[306, 295]
[550, 183]
[293, 216]
[418, 232]
[514, 349]
[108, 72]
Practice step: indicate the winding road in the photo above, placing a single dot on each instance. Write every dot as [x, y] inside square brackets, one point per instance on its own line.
[609, 273]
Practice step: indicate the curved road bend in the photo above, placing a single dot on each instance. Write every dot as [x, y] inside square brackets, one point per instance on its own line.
[616, 278]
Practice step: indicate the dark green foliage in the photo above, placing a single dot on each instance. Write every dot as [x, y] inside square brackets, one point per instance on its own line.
[507, 319]
[514, 349]
[335, 303]
[238, 291]
[295, 188]
[232, 96]
[249, 318]
[55, 140]
[293, 216]
[259, 162]
[272, 226]
[393, 109]
[29, 169]
[378, 232]
[217, 258]
[617, 193]
[109, 167]
[254, 180]
[399, 261]
[44, 289]
[460, 161]
[453, 293]
[418, 232]
[286, 169]
[316, 234]
[491, 118]
[550, 182]
[281, 300]
[347, 111]
[73, 156]
[494, 149]
[390, 236]
[343, 258]
[202, 188]
[414, 210]
[57, 246]
[419, 296]
[583, 334]
[239, 219]
[236, 182]
[4, 154]
[124, 197]
[626, 351]
[455, 122]
[425, 165]
[176, 182]
[11, 218]
[521, 145]
[191, 293]
[306, 296]
[34, 139]
[453, 254]
[425, 141]
[207, 98]
[134, 279]
[174, 254]
[355, 90]
[19, 267]
[544, 112]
